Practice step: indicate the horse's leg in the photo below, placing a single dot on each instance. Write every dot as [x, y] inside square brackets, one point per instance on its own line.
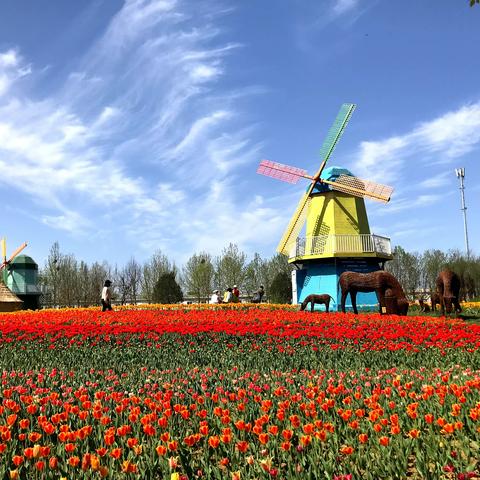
[344, 298]
[327, 304]
[381, 299]
[312, 305]
[353, 296]
[458, 308]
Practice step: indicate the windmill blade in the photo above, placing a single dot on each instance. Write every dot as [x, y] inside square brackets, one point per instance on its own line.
[334, 134]
[361, 188]
[4, 249]
[16, 252]
[296, 223]
[285, 173]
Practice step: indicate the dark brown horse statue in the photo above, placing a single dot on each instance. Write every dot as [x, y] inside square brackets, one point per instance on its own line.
[435, 300]
[378, 282]
[448, 289]
[323, 299]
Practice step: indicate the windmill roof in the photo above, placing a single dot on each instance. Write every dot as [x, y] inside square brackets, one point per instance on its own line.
[8, 299]
[23, 260]
[331, 173]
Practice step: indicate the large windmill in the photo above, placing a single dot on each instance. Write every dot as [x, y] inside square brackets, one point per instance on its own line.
[337, 236]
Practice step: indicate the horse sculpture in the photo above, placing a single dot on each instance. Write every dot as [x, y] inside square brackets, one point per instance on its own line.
[448, 289]
[378, 282]
[323, 299]
[435, 300]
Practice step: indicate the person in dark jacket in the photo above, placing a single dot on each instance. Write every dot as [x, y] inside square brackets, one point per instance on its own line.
[107, 296]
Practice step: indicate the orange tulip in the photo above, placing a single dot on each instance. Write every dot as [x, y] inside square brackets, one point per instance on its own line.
[73, 461]
[242, 446]
[363, 438]
[161, 450]
[346, 450]
[384, 441]
[116, 453]
[214, 441]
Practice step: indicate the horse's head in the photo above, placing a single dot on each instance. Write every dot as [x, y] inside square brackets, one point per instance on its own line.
[448, 303]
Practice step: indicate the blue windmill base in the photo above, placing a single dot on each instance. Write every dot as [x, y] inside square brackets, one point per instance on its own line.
[321, 277]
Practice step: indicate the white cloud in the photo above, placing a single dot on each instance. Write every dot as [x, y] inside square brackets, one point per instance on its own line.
[343, 6]
[437, 141]
[436, 181]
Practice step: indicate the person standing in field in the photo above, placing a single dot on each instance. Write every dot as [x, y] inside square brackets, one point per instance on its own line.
[236, 294]
[257, 298]
[107, 296]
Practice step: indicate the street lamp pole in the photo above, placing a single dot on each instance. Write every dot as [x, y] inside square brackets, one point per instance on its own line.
[460, 173]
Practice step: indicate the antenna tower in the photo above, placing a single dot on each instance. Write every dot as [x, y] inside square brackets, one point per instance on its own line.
[460, 173]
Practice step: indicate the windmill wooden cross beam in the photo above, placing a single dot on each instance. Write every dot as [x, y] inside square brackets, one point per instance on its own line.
[6, 262]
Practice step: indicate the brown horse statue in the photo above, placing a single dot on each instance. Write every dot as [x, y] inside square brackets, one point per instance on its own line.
[378, 282]
[323, 299]
[435, 300]
[448, 289]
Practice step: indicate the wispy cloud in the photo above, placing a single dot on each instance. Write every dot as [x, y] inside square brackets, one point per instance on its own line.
[135, 136]
[440, 140]
[341, 7]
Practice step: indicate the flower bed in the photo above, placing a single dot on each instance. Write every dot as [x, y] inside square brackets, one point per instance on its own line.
[237, 394]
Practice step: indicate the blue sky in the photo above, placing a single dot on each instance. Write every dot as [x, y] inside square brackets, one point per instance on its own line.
[132, 126]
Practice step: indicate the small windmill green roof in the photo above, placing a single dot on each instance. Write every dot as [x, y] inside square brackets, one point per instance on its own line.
[23, 260]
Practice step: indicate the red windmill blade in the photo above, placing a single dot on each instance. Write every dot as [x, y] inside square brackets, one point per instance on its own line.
[285, 173]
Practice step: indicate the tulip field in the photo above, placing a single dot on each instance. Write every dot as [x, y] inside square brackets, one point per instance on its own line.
[237, 393]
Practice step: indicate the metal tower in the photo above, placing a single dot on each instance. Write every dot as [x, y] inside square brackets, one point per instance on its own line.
[460, 173]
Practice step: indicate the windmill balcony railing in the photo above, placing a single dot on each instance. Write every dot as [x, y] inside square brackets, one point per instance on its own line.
[326, 245]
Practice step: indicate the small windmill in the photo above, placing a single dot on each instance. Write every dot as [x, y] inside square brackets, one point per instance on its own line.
[8, 300]
[338, 235]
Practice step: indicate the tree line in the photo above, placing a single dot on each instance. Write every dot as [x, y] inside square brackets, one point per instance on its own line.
[417, 272]
[68, 282]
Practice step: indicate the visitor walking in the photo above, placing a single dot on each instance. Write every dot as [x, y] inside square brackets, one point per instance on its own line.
[257, 297]
[107, 296]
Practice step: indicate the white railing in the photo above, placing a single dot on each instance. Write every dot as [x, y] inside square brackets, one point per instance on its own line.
[326, 245]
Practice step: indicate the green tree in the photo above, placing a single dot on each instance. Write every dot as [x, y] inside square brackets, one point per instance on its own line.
[433, 261]
[197, 276]
[157, 265]
[230, 267]
[167, 290]
[405, 267]
[473, 2]
[254, 275]
[280, 290]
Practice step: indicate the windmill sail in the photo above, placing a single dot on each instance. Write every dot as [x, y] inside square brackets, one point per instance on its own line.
[5, 262]
[296, 223]
[285, 173]
[334, 134]
[361, 188]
